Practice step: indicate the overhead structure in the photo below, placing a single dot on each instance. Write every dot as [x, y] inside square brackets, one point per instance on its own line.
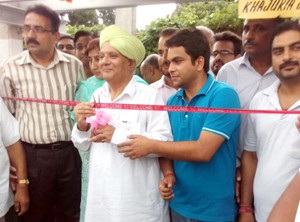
[12, 10]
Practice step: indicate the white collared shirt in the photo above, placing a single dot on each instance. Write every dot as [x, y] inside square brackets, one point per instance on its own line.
[121, 189]
[275, 139]
[247, 82]
[163, 89]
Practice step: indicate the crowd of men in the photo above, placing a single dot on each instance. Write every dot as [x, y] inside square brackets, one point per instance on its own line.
[143, 165]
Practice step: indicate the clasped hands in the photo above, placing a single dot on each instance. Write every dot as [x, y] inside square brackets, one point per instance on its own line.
[101, 134]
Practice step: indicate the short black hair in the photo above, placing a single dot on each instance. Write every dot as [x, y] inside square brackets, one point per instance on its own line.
[283, 27]
[167, 32]
[81, 33]
[46, 12]
[66, 37]
[194, 42]
[232, 37]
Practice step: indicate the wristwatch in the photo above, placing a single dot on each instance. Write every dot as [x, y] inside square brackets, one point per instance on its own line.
[23, 181]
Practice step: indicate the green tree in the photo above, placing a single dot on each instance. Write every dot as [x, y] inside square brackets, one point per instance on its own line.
[107, 15]
[83, 17]
[217, 15]
[88, 20]
[96, 29]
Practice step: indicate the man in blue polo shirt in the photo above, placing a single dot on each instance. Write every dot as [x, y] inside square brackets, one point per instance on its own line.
[204, 146]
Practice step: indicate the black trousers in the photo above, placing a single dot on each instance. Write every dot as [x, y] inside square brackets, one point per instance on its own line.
[54, 172]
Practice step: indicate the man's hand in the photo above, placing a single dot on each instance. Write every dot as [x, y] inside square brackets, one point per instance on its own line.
[81, 112]
[137, 146]
[21, 201]
[166, 187]
[13, 178]
[238, 180]
[103, 134]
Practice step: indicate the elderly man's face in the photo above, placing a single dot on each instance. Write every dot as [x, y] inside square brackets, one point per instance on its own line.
[115, 68]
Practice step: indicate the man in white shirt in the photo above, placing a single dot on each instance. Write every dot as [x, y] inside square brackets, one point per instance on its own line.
[11, 150]
[164, 86]
[121, 189]
[271, 154]
[252, 72]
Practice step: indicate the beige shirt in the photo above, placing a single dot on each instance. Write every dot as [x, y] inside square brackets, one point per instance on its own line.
[23, 77]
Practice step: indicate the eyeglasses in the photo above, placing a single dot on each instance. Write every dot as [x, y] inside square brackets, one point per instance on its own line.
[35, 29]
[222, 53]
[68, 47]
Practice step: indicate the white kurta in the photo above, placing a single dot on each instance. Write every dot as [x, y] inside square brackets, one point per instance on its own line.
[121, 189]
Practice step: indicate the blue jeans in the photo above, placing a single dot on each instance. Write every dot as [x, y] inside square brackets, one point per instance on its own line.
[175, 217]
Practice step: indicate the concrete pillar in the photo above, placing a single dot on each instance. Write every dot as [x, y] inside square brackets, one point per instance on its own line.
[11, 42]
[126, 18]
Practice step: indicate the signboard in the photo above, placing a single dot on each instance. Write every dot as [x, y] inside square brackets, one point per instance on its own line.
[252, 9]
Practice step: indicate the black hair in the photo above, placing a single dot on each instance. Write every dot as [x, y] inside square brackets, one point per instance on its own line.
[46, 12]
[194, 42]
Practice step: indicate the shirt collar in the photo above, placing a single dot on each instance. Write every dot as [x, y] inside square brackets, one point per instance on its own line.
[204, 90]
[129, 89]
[27, 59]
[245, 62]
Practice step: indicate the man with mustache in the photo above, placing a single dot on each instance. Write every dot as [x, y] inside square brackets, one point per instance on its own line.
[66, 44]
[252, 72]
[42, 71]
[271, 157]
[164, 86]
[227, 47]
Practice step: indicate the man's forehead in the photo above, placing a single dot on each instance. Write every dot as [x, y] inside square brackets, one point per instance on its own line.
[253, 22]
[286, 38]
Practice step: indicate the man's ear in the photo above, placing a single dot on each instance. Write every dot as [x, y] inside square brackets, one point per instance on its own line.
[200, 61]
[57, 36]
[151, 70]
[132, 65]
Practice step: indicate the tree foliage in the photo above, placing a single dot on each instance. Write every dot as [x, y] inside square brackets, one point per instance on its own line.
[95, 30]
[87, 17]
[107, 15]
[218, 15]
[88, 20]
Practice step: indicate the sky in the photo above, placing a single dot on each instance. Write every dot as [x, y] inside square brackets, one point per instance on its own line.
[147, 13]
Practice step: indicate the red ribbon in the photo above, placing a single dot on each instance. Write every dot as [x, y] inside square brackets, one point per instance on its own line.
[155, 107]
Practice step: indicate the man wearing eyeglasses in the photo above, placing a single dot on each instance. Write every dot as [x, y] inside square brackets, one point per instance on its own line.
[66, 44]
[227, 47]
[42, 71]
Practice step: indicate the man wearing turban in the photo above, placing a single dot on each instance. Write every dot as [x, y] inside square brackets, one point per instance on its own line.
[122, 189]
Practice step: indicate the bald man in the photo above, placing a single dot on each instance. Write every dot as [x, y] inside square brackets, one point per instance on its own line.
[150, 69]
[121, 189]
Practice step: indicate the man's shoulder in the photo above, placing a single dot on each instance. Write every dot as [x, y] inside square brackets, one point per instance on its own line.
[14, 59]
[230, 70]
[67, 57]
[261, 96]
[159, 83]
